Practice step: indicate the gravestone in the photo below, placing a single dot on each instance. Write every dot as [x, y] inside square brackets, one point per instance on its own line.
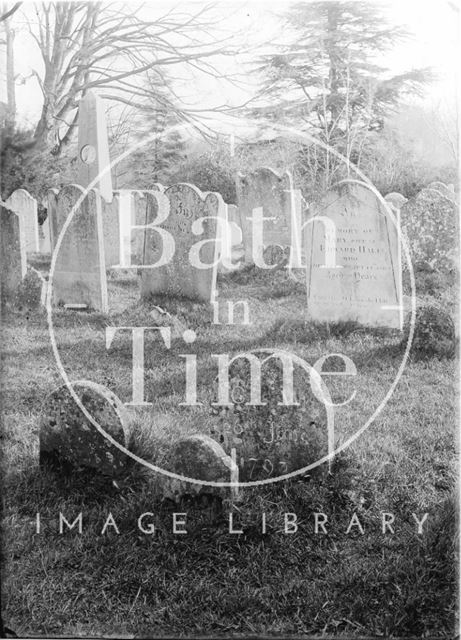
[52, 216]
[113, 214]
[93, 146]
[354, 270]
[269, 439]
[124, 244]
[397, 200]
[201, 458]
[22, 203]
[80, 277]
[443, 189]
[44, 237]
[13, 255]
[67, 436]
[230, 239]
[274, 193]
[429, 221]
[182, 276]
[31, 292]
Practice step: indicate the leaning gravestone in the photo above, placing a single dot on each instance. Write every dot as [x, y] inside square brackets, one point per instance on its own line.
[274, 193]
[354, 270]
[429, 222]
[79, 276]
[12, 253]
[67, 436]
[93, 146]
[22, 203]
[180, 207]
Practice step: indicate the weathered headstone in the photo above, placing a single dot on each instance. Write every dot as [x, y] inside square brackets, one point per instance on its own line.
[201, 458]
[274, 193]
[52, 216]
[180, 208]
[442, 188]
[112, 213]
[429, 221]
[93, 146]
[22, 203]
[80, 277]
[230, 239]
[269, 439]
[67, 436]
[13, 265]
[31, 292]
[354, 270]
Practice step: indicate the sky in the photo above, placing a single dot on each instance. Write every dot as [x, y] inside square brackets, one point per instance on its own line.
[255, 24]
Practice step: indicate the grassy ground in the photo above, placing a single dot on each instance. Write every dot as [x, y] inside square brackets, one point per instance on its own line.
[209, 581]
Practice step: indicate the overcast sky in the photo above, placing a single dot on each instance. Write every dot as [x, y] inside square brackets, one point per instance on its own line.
[255, 24]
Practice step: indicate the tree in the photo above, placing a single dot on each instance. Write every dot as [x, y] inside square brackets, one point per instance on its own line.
[325, 77]
[111, 47]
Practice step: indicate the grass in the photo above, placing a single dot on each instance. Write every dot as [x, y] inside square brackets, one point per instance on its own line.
[211, 582]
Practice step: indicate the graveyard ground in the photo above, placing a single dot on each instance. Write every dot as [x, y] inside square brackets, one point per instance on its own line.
[210, 581]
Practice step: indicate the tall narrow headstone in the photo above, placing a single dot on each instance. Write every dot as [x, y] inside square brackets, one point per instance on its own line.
[191, 271]
[353, 270]
[13, 265]
[52, 215]
[272, 192]
[80, 275]
[93, 146]
[22, 203]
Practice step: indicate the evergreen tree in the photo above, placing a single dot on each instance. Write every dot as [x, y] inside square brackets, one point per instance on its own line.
[326, 77]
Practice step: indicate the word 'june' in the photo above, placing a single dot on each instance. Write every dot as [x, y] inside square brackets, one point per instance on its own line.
[224, 363]
[222, 241]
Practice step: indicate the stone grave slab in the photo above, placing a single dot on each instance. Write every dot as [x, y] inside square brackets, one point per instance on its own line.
[274, 193]
[79, 275]
[429, 221]
[354, 270]
[22, 203]
[13, 255]
[52, 215]
[67, 436]
[180, 207]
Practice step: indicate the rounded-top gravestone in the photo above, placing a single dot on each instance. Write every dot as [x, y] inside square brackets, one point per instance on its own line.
[67, 436]
[201, 458]
[429, 221]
